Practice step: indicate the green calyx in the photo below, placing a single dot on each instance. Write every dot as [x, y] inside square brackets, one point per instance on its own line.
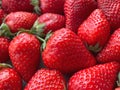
[118, 82]
[36, 3]
[38, 31]
[44, 41]
[5, 65]
[95, 49]
[5, 31]
[48, 35]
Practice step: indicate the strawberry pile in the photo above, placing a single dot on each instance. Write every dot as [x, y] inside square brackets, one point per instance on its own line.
[60, 45]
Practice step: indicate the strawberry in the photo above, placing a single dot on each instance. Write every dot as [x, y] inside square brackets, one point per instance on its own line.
[10, 80]
[24, 51]
[111, 52]
[51, 21]
[17, 20]
[111, 9]
[4, 44]
[52, 6]
[76, 11]
[100, 2]
[46, 79]
[65, 52]
[99, 77]
[95, 30]
[1, 15]
[106, 1]
[117, 88]
[16, 5]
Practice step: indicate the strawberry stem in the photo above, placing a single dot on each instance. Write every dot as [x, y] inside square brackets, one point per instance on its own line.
[35, 3]
[41, 39]
[95, 49]
[44, 41]
[38, 29]
[5, 65]
[5, 31]
[118, 82]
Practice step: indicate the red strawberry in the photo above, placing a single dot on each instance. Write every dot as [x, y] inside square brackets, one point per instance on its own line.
[16, 5]
[106, 1]
[65, 51]
[111, 8]
[95, 30]
[52, 6]
[99, 77]
[111, 52]
[4, 44]
[1, 15]
[51, 21]
[76, 11]
[10, 80]
[18, 20]
[24, 51]
[117, 88]
[46, 79]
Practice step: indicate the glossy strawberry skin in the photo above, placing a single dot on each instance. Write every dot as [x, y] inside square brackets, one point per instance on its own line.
[106, 1]
[111, 8]
[46, 79]
[52, 21]
[99, 77]
[52, 6]
[18, 20]
[17, 5]
[95, 29]
[1, 15]
[117, 88]
[76, 11]
[24, 51]
[10, 80]
[65, 51]
[111, 52]
[4, 44]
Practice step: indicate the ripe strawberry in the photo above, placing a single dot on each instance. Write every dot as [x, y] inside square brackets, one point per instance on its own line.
[46, 79]
[111, 8]
[52, 21]
[4, 44]
[106, 1]
[24, 51]
[17, 20]
[52, 6]
[111, 52]
[99, 77]
[117, 88]
[95, 30]
[16, 5]
[76, 11]
[65, 52]
[1, 15]
[10, 80]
